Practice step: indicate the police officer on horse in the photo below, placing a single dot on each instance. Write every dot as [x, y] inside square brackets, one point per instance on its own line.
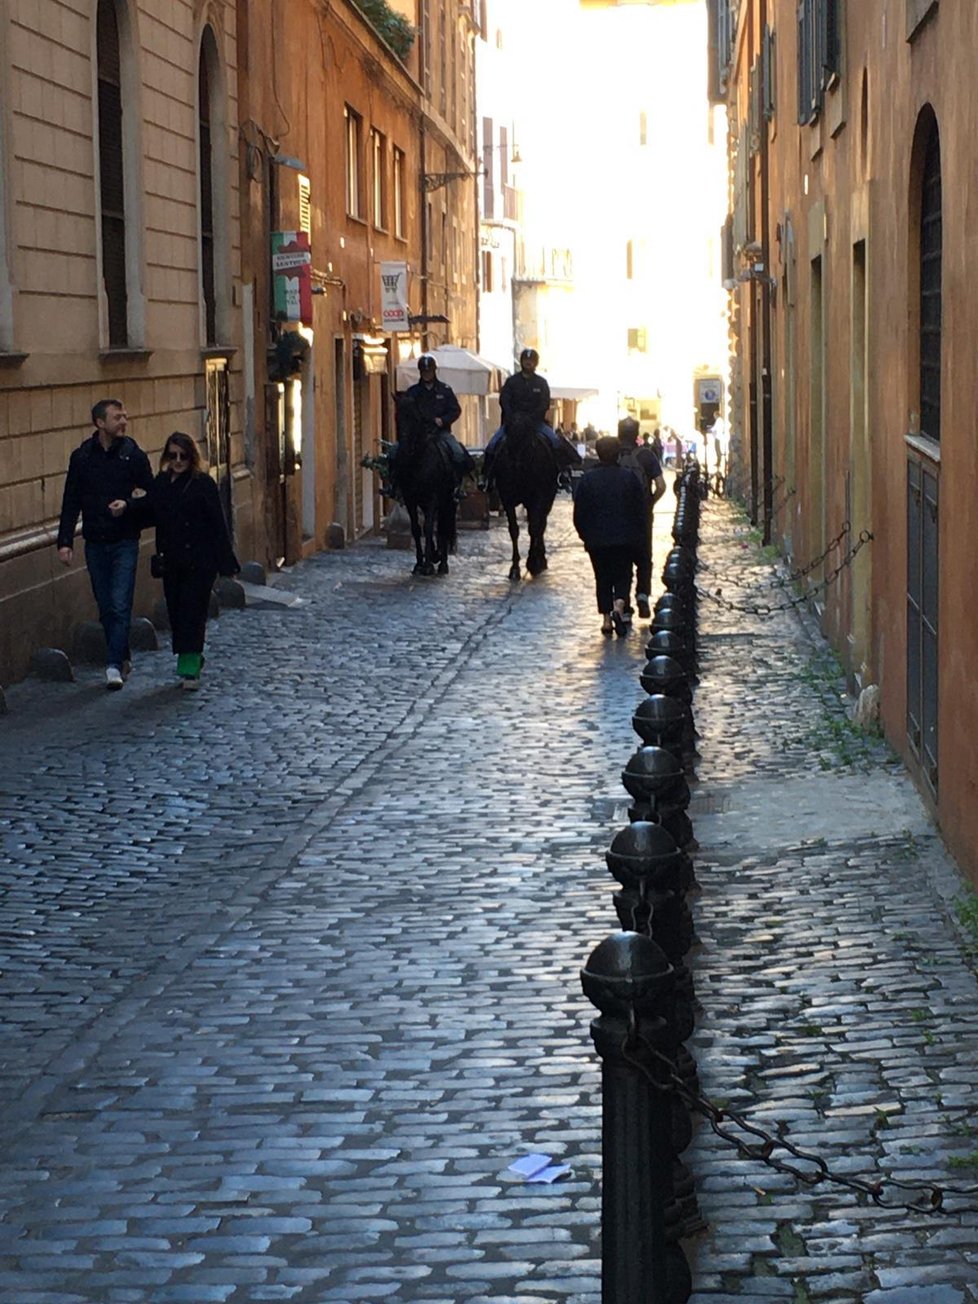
[528, 394]
[436, 407]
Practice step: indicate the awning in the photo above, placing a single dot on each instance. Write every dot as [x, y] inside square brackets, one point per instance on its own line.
[466, 372]
[572, 392]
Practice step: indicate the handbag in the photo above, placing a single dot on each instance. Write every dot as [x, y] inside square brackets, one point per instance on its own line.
[156, 566]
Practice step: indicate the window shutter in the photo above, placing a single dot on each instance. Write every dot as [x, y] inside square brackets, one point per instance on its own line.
[111, 176]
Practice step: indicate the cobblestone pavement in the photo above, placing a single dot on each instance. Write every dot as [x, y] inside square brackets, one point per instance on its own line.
[291, 965]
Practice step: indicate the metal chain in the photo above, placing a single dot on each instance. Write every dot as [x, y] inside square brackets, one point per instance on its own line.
[777, 508]
[783, 581]
[763, 609]
[934, 1193]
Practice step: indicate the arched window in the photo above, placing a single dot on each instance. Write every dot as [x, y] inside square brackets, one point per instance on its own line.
[930, 287]
[112, 173]
[122, 309]
[212, 172]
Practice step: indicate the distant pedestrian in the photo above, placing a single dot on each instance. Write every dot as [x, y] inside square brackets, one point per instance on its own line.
[108, 465]
[645, 466]
[193, 546]
[656, 444]
[610, 517]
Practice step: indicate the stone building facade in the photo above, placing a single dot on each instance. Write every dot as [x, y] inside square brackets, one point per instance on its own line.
[850, 255]
[161, 161]
[118, 127]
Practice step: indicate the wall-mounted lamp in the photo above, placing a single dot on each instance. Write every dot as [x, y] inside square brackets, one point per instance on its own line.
[435, 180]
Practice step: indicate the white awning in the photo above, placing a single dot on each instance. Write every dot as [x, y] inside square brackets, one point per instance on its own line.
[466, 372]
[572, 392]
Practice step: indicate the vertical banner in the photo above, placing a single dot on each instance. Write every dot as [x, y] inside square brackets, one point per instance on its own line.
[394, 296]
[292, 276]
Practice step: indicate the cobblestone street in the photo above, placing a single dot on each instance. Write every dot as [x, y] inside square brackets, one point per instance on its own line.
[291, 967]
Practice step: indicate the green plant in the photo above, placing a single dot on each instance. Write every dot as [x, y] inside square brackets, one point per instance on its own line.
[389, 25]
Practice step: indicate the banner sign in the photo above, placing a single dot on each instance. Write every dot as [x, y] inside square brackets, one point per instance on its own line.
[292, 276]
[394, 296]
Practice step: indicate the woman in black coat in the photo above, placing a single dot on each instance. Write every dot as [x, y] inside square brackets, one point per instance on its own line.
[610, 516]
[193, 546]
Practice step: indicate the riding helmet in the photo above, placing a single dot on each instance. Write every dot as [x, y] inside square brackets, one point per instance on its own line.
[529, 355]
[426, 360]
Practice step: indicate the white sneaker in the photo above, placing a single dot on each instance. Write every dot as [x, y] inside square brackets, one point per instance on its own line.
[113, 678]
[190, 685]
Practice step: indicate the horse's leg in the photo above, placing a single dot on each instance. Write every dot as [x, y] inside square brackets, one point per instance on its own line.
[514, 534]
[446, 530]
[412, 511]
[536, 561]
[428, 566]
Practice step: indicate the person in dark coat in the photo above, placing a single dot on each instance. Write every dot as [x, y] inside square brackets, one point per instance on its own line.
[193, 541]
[610, 517]
[108, 465]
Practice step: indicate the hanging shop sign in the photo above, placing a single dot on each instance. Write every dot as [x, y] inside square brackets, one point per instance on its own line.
[292, 276]
[394, 296]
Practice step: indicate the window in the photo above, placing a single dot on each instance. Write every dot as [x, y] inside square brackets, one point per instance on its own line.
[489, 169]
[378, 154]
[931, 256]
[487, 270]
[206, 198]
[399, 193]
[630, 260]
[354, 178]
[213, 217]
[637, 339]
[112, 174]
[819, 54]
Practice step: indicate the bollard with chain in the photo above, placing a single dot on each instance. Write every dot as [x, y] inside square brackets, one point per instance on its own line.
[628, 979]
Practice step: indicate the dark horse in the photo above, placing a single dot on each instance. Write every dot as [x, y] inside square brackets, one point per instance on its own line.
[427, 483]
[525, 472]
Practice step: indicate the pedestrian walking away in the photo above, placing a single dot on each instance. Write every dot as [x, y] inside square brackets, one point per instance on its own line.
[193, 546]
[108, 465]
[643, 463]
[610, 516]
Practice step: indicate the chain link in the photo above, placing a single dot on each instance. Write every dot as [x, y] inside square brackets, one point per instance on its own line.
[933, 1193]
[764, 609]
[793, 577]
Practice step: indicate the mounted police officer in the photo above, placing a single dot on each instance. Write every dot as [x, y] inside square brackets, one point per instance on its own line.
[526, 392]
[435, 405]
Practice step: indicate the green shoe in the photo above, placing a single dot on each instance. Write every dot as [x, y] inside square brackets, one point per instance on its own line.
[189, 664]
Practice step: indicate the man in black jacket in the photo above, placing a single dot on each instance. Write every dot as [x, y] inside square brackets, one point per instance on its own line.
[107, 466]
[643, 463]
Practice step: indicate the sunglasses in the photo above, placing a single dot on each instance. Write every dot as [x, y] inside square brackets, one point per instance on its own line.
[177, 457]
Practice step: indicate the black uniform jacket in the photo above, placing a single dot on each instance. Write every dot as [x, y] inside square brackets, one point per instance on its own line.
[609, 509]
[438, 401]
[191, 531]
[97, 477]
[525, 392]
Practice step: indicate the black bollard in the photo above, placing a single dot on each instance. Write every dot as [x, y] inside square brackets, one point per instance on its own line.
[627, 977]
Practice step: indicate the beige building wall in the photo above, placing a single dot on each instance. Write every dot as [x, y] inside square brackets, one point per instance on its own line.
[56, 360]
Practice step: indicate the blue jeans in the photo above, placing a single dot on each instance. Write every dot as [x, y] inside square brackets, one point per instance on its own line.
[112, 570]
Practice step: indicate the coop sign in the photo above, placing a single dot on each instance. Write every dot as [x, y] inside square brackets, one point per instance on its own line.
[394, 296]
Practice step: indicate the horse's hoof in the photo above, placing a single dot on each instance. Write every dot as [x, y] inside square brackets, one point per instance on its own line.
[514, 574]
[443, 568]
[427, 569]
[418, 568]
